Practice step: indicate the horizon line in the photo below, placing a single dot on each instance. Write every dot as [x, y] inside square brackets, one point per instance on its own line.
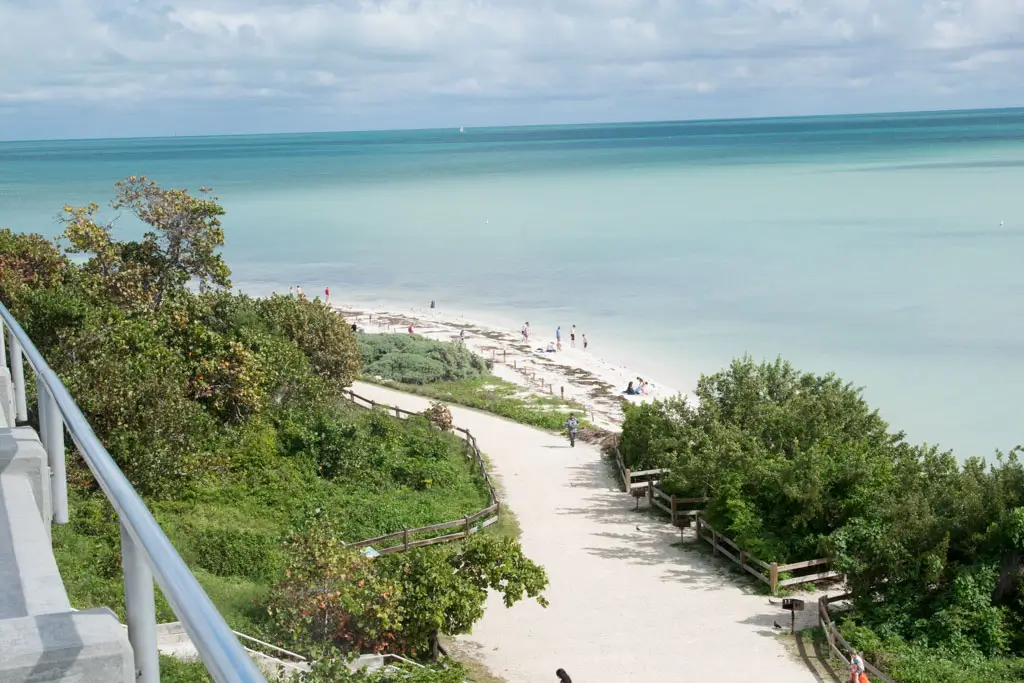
[898, 112]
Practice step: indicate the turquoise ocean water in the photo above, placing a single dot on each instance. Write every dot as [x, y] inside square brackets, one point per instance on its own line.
[886, 247]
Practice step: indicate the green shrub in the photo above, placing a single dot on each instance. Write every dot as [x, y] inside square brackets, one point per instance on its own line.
[235, 552]
[407, 368]
[412, 359]
[174, 670]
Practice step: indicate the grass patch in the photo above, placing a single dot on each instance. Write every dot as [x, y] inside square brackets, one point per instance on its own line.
[495, 395]
[390, 474]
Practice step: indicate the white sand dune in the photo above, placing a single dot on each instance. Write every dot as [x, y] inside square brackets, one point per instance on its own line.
[627, 604]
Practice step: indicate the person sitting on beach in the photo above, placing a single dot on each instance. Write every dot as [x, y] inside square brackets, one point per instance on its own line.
[630, 390]
[562, 676]
[551, 347]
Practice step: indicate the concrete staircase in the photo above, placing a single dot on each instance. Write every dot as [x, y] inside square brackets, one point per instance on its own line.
[42, 638]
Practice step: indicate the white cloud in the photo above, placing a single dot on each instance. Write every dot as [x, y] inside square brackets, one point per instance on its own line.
[433, 55]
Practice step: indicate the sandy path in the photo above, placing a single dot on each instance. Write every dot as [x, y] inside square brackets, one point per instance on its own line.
[626, 605]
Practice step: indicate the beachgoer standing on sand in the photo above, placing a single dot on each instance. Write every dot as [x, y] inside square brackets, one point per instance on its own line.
[572, 336]
[585, 342]
[410, 329]
[291, 290]
[558, 337]
[327, 294]
[298, 292]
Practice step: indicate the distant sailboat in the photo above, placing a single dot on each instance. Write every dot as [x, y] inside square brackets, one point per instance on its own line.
[462, 129]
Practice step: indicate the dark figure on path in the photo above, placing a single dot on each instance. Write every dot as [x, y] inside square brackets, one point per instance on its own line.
[571, 425]
[562, 676]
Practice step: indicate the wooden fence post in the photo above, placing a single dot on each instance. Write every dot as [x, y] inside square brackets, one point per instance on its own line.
[396, 412]
[504, 355]
[627, 481]
[650, 495]
[675, 518]
[696, 524]
[714, 542]
[405, 537]
[743, 559]
[563, 393]
[773, 577]
[515, 364]
[466, 522]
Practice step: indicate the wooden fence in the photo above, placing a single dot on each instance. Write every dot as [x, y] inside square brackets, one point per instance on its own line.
[682, 513]
[419, 537]
[766, 572]
[632, 481]
[837, 645]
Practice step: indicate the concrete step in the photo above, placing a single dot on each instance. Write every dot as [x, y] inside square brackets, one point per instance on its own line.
[22, 453]
[71, 647]
[30, 583]
[41, 638]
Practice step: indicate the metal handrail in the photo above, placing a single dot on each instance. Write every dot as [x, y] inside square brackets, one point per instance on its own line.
[146, 551]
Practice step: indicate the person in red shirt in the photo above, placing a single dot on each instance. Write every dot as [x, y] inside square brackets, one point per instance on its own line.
[327, 293]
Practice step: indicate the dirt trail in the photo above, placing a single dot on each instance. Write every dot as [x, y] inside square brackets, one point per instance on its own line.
[627, 602]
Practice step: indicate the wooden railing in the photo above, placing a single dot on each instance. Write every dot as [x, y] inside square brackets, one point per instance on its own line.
[670, 504]
[649, 480]
[767, 572]
[636, 480]
[400, 541]
[837, 645]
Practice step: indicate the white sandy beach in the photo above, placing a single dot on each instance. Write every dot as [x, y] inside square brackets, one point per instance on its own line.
[585, 375]
[627, 602]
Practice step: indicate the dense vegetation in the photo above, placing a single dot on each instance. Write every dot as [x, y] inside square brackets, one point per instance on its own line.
[449, 372]
[224, 411]
[412, 359]
[799, 466]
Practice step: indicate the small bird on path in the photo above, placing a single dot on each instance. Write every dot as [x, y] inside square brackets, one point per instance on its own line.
[638, 528]
[776, 624]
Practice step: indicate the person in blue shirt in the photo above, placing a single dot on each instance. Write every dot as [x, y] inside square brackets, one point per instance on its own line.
[571, 425]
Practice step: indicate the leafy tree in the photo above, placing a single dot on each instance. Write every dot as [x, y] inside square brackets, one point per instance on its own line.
[333, 595]
[444, 589]
[321, 333]
[28, 260]
[798, 465]
[181, 246]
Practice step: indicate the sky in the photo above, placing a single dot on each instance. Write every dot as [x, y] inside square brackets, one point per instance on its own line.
[115, 68]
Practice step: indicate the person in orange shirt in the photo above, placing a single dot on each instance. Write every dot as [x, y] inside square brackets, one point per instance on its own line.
[857, 673]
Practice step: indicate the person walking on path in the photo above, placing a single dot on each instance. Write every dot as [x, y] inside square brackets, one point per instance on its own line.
[558, 337]
[572, 336]
[571, 425]
[585, 342]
